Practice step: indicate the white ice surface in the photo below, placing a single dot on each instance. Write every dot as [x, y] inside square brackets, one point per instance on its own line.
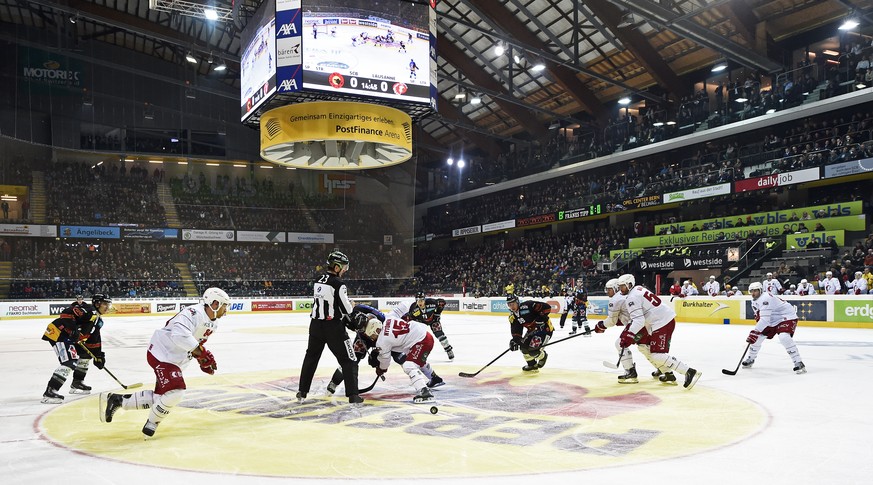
[819, 428]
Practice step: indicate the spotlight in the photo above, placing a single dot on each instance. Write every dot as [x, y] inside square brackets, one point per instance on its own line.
[475, 101]
[450, 162]
[538, 67]
[517, 59]
[721, 66]
[210, 14]
[460, 95]
[624, 101]
[190, 57]
[220, 67]
[849, 24]
[73, 19]
[499, 49]
[741, 100]
[461, 163]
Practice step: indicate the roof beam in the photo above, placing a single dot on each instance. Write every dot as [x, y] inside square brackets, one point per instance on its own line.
[639, 46]
[692, 30]
[565, 77]
[132, 23]
[450, 52]
[453, 115]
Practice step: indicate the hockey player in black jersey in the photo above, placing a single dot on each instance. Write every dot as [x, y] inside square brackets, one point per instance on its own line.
[578, 307]
[429, 311]
[532, 316]
[76, 326]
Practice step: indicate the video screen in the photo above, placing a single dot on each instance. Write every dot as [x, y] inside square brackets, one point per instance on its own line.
[258, 61]
[377, 48]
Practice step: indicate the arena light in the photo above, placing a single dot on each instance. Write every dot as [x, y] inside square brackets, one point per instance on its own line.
[658, 123]
[190, 57]
[721, 66]
[461, 163]
[156, 161]
[475, 100]
[266, 166]
[450, 162]
[831, 53]
[849, 24]
[220, 67]
[671, 123]
[210, 14]
[212, 164]
[538, 67]
[499, 49]
[460, 95]
[128, 160]
[239, 165]
[182, 163]
[624, 101]
[741, 100]
[770, 111]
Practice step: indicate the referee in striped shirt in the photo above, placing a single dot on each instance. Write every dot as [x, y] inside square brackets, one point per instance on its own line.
[331, 310]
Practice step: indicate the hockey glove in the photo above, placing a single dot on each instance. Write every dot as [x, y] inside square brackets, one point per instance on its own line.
[373, 358]
[380, 371]
[99, 360]
[207, 361]
[753, 336]
[513, 345]
[600, 327]
[626, 339]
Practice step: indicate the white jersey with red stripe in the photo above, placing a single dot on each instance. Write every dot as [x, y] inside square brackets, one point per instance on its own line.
[647, 310]
[398, 335]
[772, 286]
[771, 311]
[182, 334]
[617, 311]
[805, 289]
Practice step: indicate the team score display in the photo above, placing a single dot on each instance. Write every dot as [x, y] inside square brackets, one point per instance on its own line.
[397, 327]
[652, 298]
[383, 86]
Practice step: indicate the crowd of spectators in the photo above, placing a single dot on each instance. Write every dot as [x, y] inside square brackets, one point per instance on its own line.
[44, 268]
[812, 142]
[81, 193]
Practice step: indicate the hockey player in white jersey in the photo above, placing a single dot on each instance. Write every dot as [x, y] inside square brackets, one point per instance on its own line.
[688, 289]
[858, 286]
[651, 327]
[171, 350]
[712, 287]
[772, 285]
[775, 317]
[829, 284]
[804, 288]
[411, 339]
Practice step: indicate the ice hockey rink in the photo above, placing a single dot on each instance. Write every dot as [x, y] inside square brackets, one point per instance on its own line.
[568, 423]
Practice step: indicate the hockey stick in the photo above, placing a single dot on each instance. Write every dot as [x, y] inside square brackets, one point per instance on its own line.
[474, 374]
[734, 372]
[609, 364]
[371, 386]
[467, 374]
[132, 386]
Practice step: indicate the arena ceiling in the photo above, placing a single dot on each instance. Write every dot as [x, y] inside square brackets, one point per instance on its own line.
[592, 51]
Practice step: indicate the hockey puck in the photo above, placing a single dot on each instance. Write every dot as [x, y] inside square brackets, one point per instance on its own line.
[434, 410]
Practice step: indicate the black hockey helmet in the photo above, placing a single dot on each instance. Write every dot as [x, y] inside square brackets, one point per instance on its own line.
[100, 298]
[79, 297]
[511, 298]
[359, 320]
[419, 295]
[337, 257]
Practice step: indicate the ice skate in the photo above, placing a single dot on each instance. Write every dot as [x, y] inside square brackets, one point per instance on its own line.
[50, 396]
[691, 378]
[79, 387]
[436, 381]
[109, 404]
[450, 353]
[668, 378]
[542, 361]
[573, 332]
[748, 362]
[424, 396]
[531, 366]
[356, 400]
[149, 429]
[301, 396]
[587, 331]
[656, 374]
[331, 388]
[800, 368]
[630, 377]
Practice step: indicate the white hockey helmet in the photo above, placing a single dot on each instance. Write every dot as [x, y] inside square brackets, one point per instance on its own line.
[829, 273]
[627, 280]
[687, 282]
[858, 274]
[803, 281]
[216, 294]
[712, 277]
[769, 275]
[374, 328]
[612, 284]
[756, 285]
[793, 286]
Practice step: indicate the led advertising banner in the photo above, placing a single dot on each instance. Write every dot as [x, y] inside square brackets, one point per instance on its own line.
[771, 217]
[258, 59]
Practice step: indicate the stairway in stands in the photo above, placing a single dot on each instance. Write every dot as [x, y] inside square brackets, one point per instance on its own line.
[165, 197]
[5, 279]
[187, 280]
[37, 199]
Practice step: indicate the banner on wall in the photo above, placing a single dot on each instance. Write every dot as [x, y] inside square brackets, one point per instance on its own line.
[91, 232]
[131, 308]
[260, 236]
[497, 226]
[305, 305]
[540, 219]
[777, 180]
[272, 306]
[310, 238]
[860, 310]
[207, 234]
[466, 231]
[848, 168]
[848, 223]
[697, 193]
[763, 218]
[165, 307]
[133, 233]
[704, 309]
[800, 241]
[28, 230]
[23, 309]
[807, 309]
[685, 262]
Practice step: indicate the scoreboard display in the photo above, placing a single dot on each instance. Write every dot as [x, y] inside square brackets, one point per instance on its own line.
[369, 48]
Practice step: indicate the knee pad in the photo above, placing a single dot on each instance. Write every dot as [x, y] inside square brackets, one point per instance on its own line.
[646, 351]
[786, 340]
[83, 364]
[662, 360]
[416, 376]
[64, 370]
[166, 401]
